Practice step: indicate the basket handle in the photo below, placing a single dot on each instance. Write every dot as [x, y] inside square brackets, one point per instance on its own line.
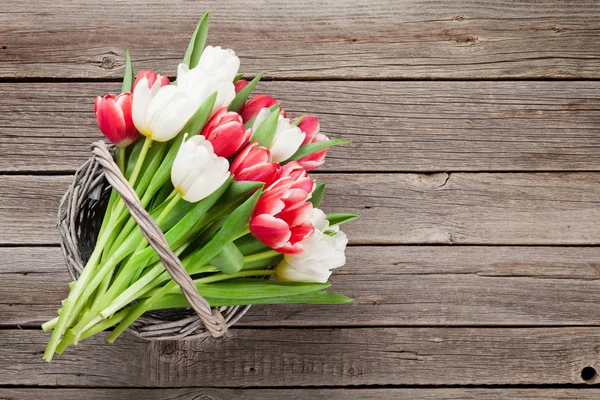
[212, 320]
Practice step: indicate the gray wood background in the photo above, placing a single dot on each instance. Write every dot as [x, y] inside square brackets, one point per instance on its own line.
[475, 165]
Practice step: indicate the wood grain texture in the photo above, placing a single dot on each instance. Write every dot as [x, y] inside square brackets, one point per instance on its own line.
[394, 126]
[458, 208]
[381, 39]
[392, 286]
[311, 357]
[300, 394]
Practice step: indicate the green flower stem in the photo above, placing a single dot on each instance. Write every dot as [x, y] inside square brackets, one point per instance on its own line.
[157, 276]
[121, 156]
[140, 161]
[94, 330]
[146, 305]
[107, 269]
[49, 325]
[68, 315]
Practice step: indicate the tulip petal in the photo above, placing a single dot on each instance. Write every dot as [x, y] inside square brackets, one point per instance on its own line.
[141, 101]
[286, 142]
[272, 231]
[301, 232]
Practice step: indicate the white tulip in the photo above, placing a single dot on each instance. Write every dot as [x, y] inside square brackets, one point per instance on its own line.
[197, 171]
[220, 63]
[322, 253]
[160, 113]
[198, 84]
[287, 140]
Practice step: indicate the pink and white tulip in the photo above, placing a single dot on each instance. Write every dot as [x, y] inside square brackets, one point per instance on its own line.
[151, 77]
[281, 217]
[226, 132]
[254, 164]
[113, 114]
[287, 140]
[322, 253]
[310, 126]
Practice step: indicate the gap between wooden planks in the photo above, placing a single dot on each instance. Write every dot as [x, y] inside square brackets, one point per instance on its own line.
[344, 39]
[302, 394]
[311, 357]
[391, 286]
[457, 208]
[394, 126]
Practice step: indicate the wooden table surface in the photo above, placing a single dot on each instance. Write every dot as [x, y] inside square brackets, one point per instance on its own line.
[475, 166]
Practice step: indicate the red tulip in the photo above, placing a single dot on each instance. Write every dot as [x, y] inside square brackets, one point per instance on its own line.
[254, 105]
[152, 77]
[316, 159]
[113, 114]
[310, 126]
[226, 132]
[239, 85]
[281, 216]
[254, 164]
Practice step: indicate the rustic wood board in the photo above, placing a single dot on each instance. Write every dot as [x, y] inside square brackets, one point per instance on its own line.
[392, 286]
[394, 126]
[441, 208]
[349, 39]
[311, 357]
[300, 394]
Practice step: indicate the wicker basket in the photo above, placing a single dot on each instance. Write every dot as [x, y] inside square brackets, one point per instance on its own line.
[80, 215]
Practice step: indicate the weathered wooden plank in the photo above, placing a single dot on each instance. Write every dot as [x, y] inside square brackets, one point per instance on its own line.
[300, 394]
[311, 357]
[394, 126]
[458, 208]
[408, 39]
[392, 286]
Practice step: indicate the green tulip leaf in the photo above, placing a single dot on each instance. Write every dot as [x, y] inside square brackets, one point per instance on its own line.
[238, 77]
[229, 260]
[311, 148]
[297, 121]
[197, 42]
[317, 195]
[234, 224]
[128, 75]
[250, 122]
[340, 218]
[265, 132]
[243, 94]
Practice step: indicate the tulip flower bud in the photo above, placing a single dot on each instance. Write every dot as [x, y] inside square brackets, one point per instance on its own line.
[299, 177]
[322, 253]
[226, 132]
[151, 77]
[316, 159]
[239, 85]
[220, 63]
[113, 114]
[310, 126]
[197, 171]
[281, 216]
[254, 164]
[255, 104]
[287, 139]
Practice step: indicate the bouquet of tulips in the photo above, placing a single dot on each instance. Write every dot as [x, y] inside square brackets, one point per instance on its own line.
[226, 179]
